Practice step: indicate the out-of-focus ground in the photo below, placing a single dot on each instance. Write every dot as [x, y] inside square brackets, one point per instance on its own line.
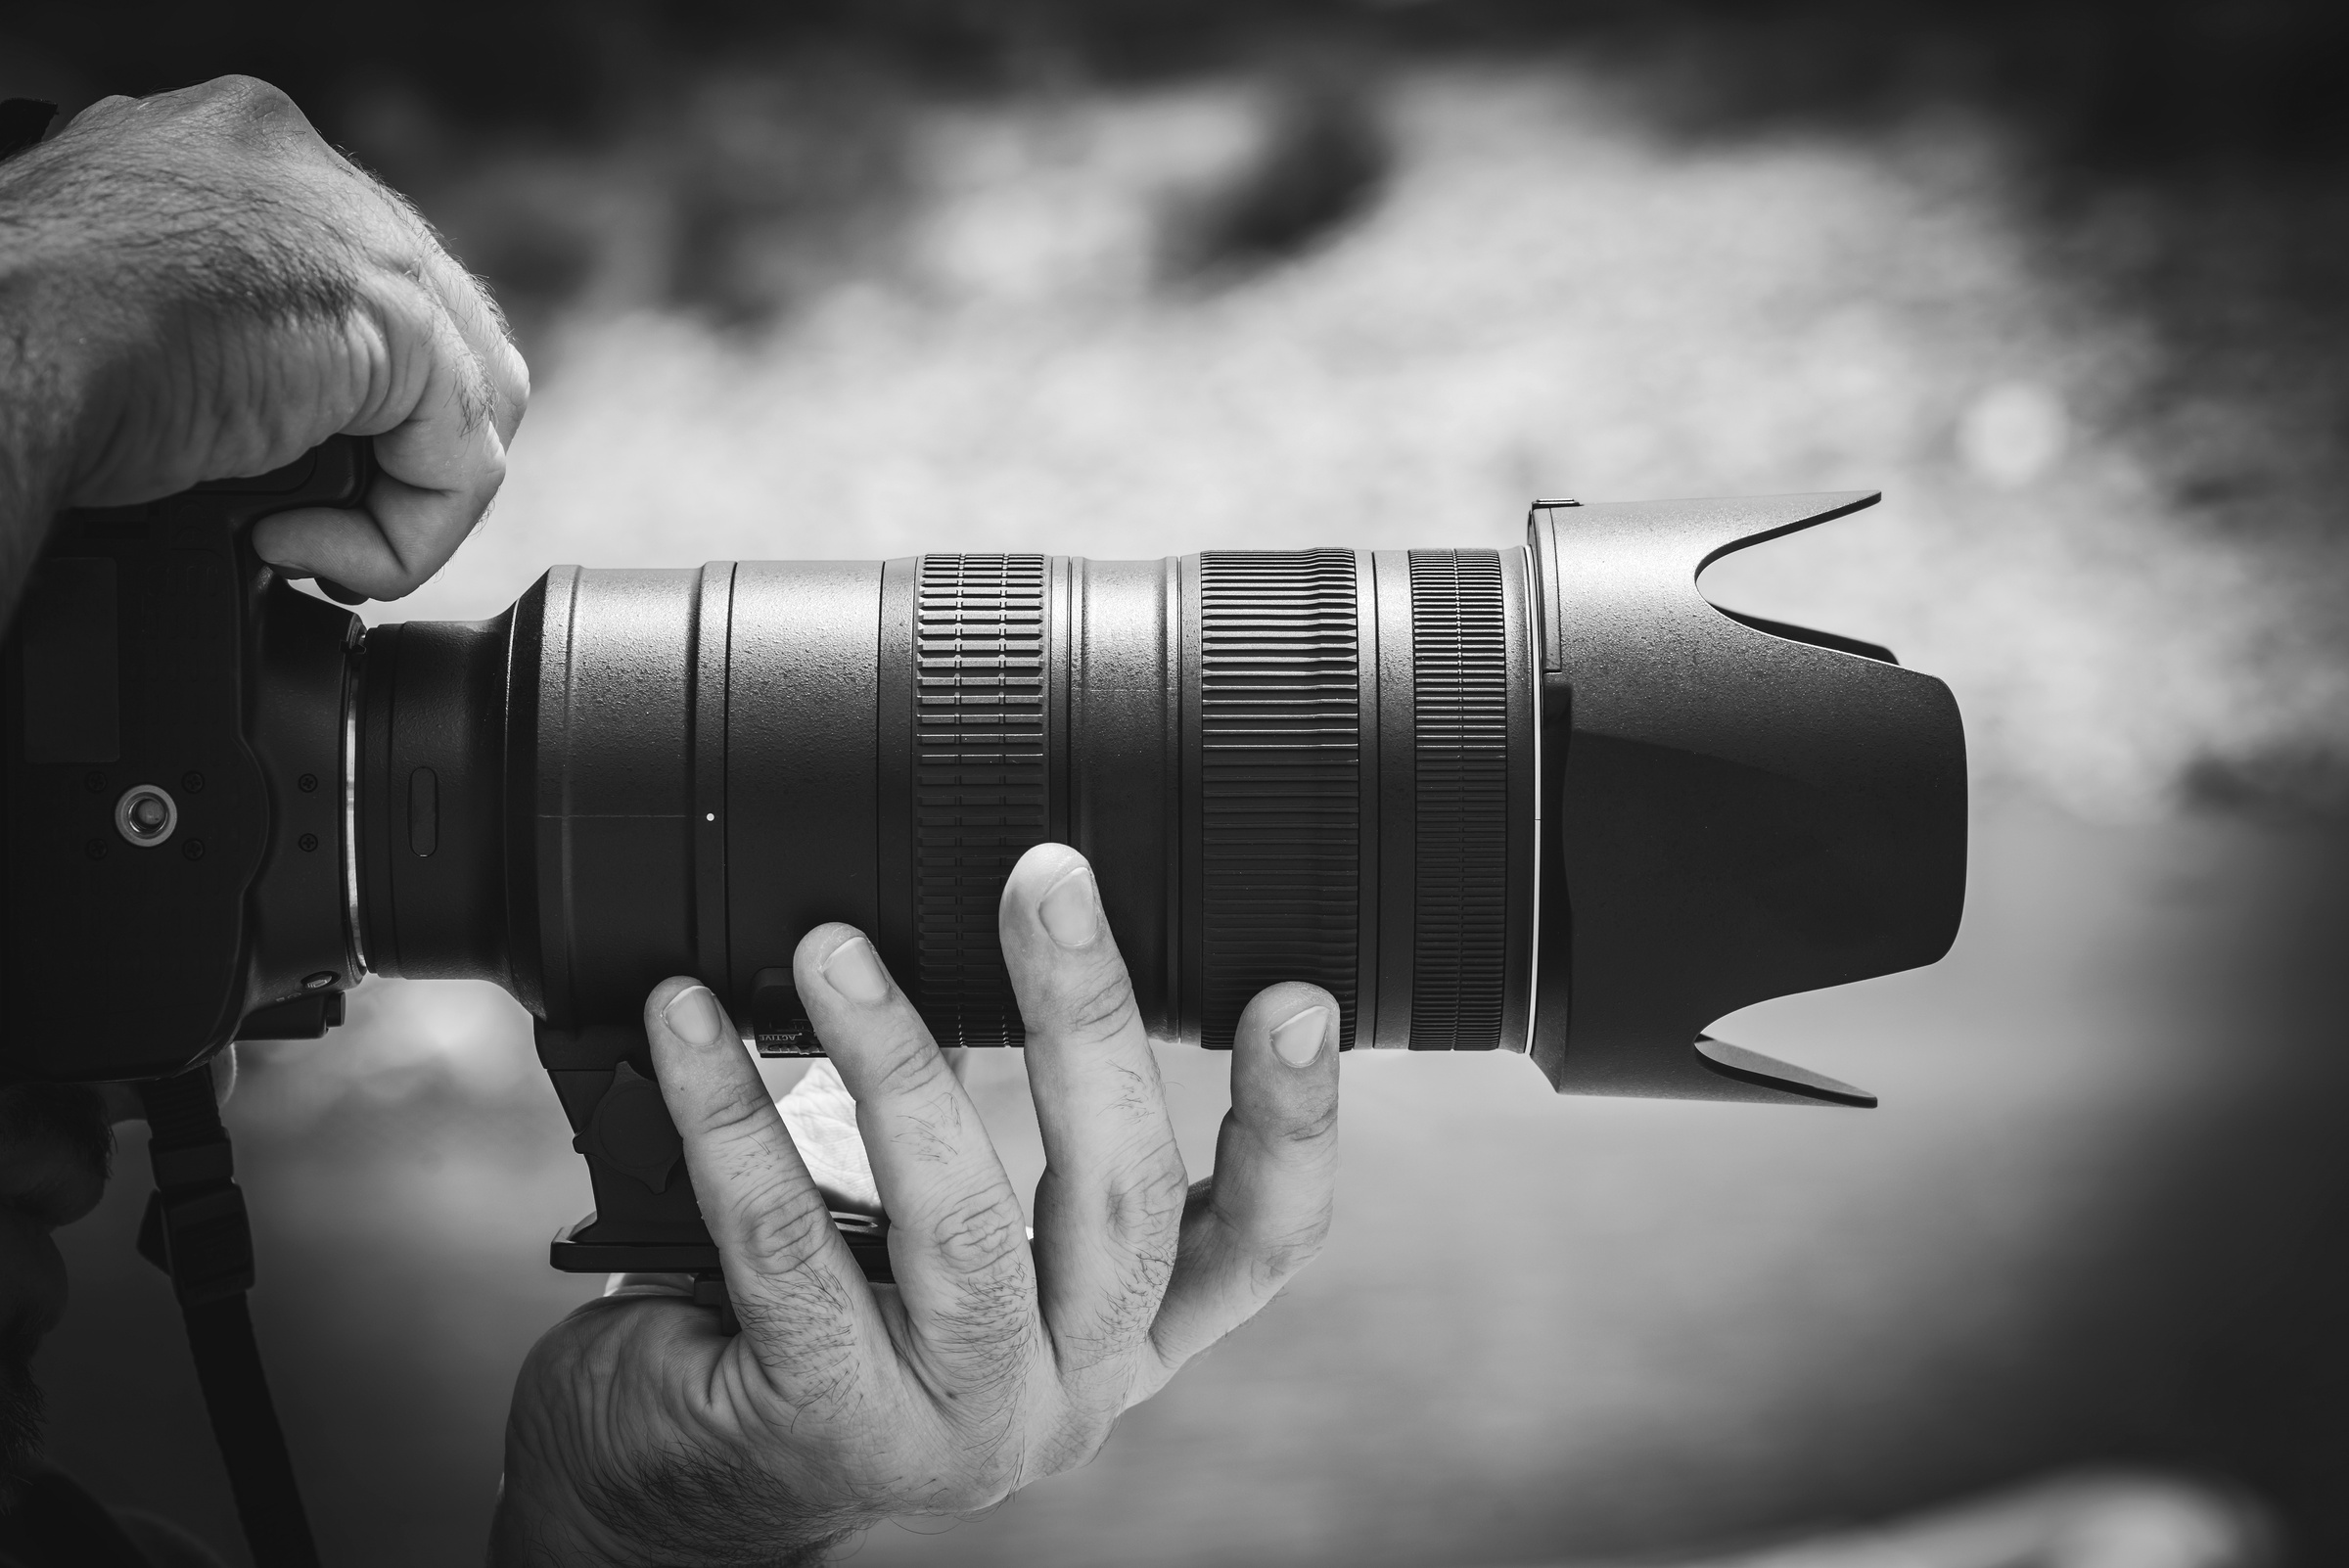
[1299, 294]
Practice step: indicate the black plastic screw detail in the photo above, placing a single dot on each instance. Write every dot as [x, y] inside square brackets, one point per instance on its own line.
[307, 783]
[193, 849]
[94, 848]
[96, 782]
[191, 781]
[309, 842]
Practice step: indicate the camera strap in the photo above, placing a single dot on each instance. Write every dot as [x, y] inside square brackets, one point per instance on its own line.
[196, 1231]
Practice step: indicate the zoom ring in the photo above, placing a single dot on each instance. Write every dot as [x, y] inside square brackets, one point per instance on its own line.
[1280, 778]
[1460, 715]
[979, 780]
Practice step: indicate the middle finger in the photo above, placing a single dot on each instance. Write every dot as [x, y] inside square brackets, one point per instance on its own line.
[957, 1238]
[1109, 1209]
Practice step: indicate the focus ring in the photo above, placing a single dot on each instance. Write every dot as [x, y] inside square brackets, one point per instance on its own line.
[1461, 711]
[1280, 778]
[979, 780]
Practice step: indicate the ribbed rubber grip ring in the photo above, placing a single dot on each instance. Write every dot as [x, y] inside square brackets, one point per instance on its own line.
[1461, 711]
[1280, 778]
[979, 780]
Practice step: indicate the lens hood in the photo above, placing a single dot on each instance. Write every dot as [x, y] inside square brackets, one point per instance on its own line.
[1736, 808]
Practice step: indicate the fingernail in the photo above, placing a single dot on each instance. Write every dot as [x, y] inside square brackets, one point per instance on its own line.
[1299, 1041]
[855, 971]
[692, 1016]
[1068, 908]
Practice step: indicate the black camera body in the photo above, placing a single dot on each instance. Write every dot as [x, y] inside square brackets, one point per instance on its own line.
[157, 660]
[1546, 799]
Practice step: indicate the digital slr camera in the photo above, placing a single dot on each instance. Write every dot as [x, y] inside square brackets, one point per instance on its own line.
[1545, 800]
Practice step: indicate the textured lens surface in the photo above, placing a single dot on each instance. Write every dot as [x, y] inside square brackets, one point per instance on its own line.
[1281, 777]
[979, 778]
[1460, 701]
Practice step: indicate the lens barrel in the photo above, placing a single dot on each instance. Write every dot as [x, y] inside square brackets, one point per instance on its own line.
[1547, 799]
[1311, 765]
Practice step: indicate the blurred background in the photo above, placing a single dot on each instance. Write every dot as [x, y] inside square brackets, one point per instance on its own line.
[1129, 277]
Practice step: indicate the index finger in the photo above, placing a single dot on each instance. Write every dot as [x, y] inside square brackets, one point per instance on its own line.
[806, 1309]
[431, 408]
[957, 1237]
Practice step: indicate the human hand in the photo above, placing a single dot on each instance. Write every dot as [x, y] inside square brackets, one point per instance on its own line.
[642, 1434]
[203, 288]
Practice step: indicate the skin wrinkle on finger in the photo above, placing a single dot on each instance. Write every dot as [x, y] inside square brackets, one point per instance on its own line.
[1105, 1013]
[980, 1230]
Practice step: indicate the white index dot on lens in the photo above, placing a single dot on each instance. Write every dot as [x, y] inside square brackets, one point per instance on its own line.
[710, 817]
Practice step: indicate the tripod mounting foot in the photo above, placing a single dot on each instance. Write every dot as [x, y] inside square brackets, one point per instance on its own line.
[587, 1248]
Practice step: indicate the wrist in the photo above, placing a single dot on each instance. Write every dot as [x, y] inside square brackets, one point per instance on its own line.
[533, 1531]
[559, 1503]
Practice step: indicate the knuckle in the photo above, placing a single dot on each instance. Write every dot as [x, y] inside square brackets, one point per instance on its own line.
[249, 97]
[979, 1232]
[783, 1234]
[984, 1481]
[1279, 1256]
[1078, 1443]
[1144, 1203]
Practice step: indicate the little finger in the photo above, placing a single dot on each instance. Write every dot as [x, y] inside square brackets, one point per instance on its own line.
[1264, 1212]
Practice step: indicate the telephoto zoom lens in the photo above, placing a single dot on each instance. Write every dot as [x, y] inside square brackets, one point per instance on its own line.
[1543, 799]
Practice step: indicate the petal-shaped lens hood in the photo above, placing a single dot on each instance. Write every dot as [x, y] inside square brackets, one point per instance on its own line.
[1736, 808]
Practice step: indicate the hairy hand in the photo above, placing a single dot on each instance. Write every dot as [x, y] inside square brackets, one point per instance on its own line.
[197, 287]
[641, 1434]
